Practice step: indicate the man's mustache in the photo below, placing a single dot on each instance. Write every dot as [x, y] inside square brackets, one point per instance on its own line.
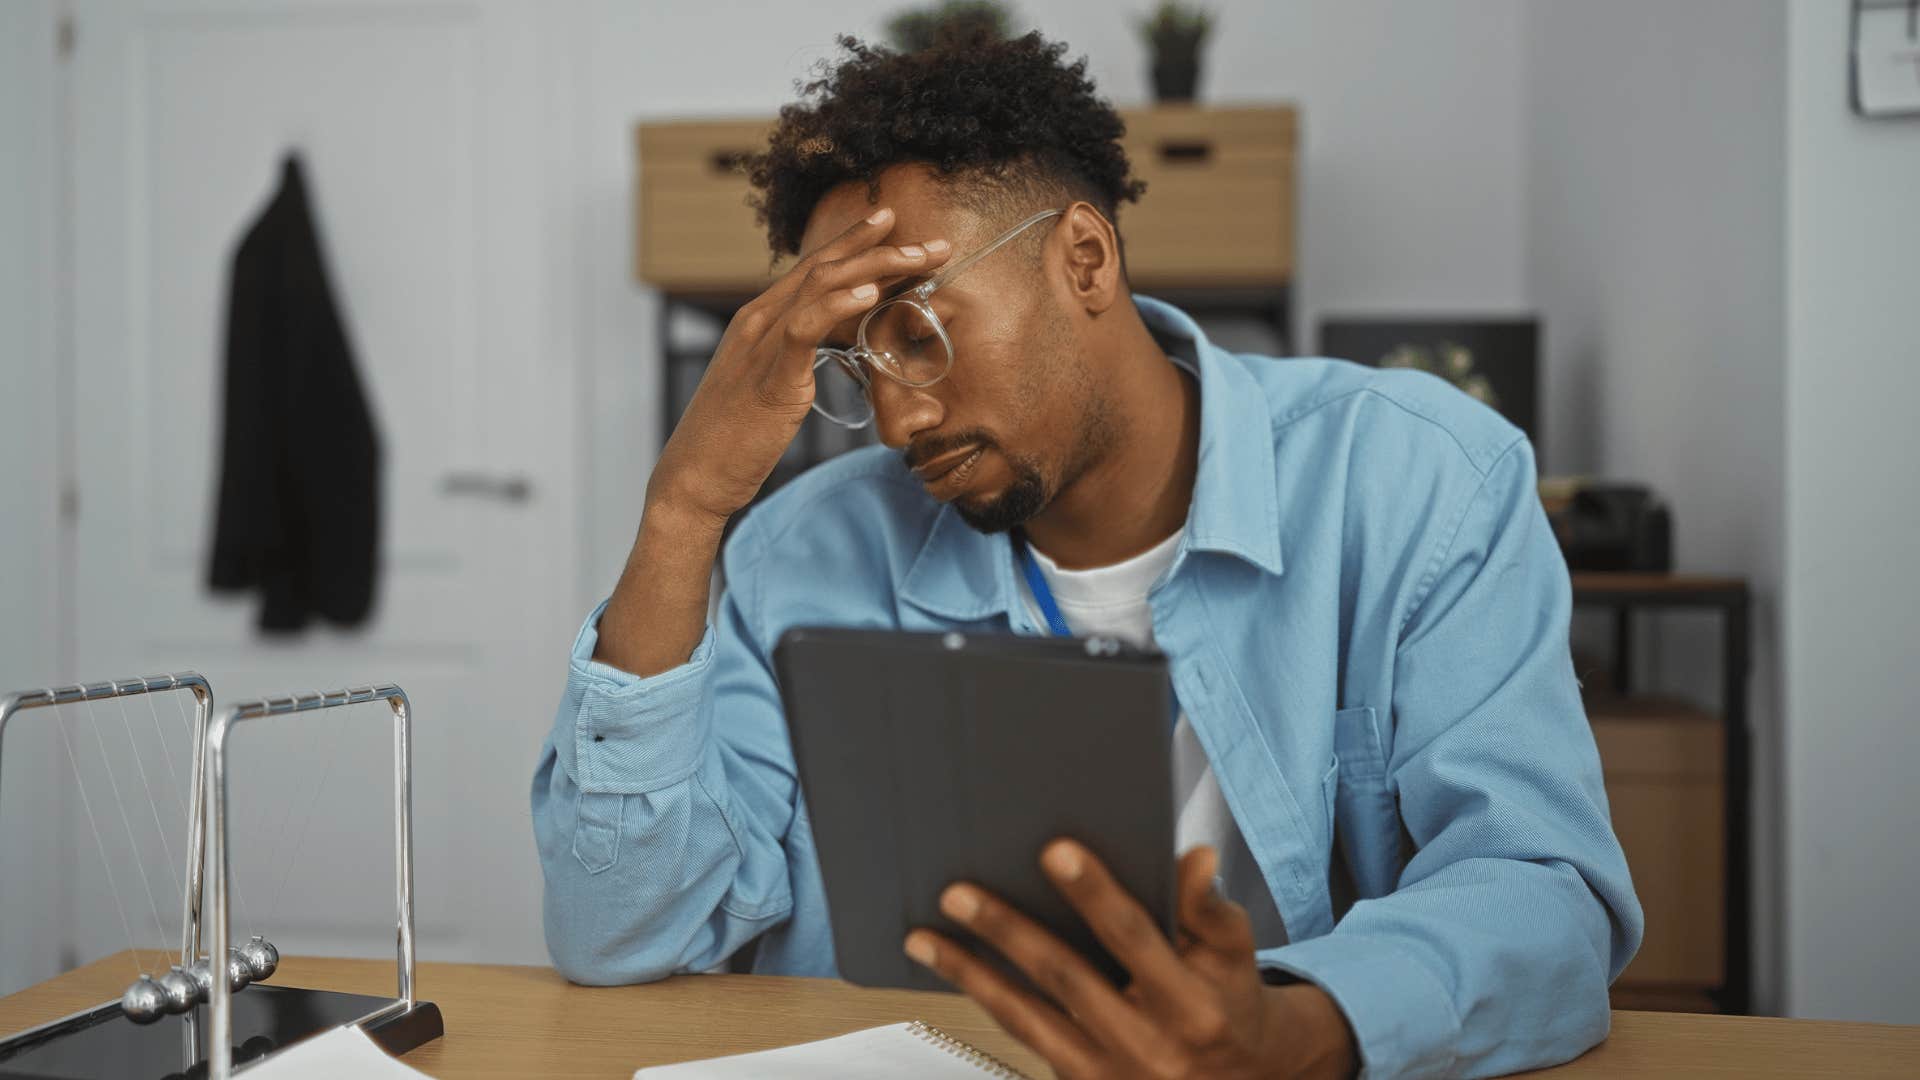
[928, 447]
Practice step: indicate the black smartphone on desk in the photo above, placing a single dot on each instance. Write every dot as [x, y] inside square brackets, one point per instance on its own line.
[929, 758]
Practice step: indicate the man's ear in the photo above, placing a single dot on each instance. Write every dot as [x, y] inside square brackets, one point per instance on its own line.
[1092, 260]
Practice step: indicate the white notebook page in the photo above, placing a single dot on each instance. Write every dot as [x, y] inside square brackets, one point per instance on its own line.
[897, 1050]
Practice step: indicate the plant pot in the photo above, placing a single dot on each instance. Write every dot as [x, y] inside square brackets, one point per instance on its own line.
[1176, 76]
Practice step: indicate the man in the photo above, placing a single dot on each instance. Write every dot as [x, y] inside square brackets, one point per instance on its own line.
[1397, 855]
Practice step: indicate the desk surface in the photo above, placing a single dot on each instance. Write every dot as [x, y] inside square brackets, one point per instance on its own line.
[524, 1021]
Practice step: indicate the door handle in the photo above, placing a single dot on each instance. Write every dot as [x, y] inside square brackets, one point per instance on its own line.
[507, 489]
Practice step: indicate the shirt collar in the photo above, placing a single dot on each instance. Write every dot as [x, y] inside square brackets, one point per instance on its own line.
[962, 574]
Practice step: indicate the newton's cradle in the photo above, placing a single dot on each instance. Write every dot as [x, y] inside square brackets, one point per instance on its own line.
[193, 1020]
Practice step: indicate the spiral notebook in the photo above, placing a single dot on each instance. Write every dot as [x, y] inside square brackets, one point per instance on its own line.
[918, 1050]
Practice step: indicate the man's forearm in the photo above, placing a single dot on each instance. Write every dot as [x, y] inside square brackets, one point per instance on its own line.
[658, 612]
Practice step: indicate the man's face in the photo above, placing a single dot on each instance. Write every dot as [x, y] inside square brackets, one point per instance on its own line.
[1020, 415]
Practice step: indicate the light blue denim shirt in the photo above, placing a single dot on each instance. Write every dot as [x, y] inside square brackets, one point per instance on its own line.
[1367, 627]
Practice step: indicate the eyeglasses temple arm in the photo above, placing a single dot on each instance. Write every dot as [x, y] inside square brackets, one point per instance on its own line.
[953, 270]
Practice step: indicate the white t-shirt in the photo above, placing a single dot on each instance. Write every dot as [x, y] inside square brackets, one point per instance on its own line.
[1112, 601]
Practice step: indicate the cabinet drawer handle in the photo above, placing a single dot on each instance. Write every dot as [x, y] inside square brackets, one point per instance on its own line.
[1186, 151]
[728, 162]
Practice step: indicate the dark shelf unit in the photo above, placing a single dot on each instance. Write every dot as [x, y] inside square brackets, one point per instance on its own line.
[1625, 595]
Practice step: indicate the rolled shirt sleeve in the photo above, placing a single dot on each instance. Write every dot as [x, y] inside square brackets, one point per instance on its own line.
[660, 804]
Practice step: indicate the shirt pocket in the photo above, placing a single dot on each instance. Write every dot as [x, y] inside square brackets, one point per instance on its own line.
[1365, 810]
[596, 830]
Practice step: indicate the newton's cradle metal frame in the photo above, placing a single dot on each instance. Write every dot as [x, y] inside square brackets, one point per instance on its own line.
[191, 1021]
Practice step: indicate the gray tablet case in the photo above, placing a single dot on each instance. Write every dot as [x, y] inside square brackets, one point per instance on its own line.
[930, 758]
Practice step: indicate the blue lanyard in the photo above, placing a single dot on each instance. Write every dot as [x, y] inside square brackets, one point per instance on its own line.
[1037, 582]
[1043, 596]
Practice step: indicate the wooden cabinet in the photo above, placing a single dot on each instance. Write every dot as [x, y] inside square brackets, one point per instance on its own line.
[1219, 204]
[1678, 784]
[1665, 776]
[1218, 211]
[696, 231]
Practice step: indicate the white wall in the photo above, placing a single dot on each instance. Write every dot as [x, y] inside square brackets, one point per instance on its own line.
[32, 636]
[1852, 529]
[1655, 240]
[1412, 181]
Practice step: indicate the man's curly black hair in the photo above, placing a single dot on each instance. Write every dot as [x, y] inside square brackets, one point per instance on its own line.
[1004, 123]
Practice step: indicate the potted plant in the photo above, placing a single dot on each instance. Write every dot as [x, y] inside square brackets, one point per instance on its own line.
[1174, 34]
[917, 28]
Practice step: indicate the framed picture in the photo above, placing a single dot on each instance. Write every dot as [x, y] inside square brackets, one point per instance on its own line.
[1493, 360]
[1884, 65]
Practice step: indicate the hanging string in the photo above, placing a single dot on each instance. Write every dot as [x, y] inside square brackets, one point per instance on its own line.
[100, 845]
[333, 751]
[233, 882]
[309, 736]
[134, 750]
[133, 841]
[167, 755]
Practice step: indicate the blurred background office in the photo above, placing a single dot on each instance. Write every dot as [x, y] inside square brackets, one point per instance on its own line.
[1672, 233]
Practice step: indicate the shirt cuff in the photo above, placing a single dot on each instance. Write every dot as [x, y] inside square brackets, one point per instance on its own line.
[1402, 1017]
[626, 734]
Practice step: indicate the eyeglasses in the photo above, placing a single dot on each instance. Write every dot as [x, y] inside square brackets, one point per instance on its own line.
[901, 339]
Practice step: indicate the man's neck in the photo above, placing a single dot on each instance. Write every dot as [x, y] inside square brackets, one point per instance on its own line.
[1138, 491]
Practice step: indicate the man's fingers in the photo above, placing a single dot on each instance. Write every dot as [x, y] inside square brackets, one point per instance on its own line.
[835, 292]
[1212, 919]
[807, 323]
[1057, 970]
[863, 233]
[858, 236]
[1034, 1022]
[881, 264]
[1121, 924]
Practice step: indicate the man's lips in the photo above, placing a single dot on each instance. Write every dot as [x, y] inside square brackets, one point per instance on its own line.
[930, 471]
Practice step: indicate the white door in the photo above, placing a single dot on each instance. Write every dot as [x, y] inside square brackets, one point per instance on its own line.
[424, 127]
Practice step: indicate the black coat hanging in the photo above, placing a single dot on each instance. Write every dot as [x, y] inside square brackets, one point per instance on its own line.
[298, 516]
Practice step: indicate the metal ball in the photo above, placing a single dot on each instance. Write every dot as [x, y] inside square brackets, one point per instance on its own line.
[202, 978]
[144, 1002]
[261, 957]
[182, 993]
[238, 973]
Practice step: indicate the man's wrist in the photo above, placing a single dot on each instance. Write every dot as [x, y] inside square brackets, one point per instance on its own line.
[670, 515]
[1308, 1032]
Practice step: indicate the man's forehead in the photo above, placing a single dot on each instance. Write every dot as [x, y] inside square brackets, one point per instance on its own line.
[921, 210]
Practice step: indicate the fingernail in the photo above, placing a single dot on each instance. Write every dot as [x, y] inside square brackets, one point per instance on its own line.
[865, 292]
[1063, 861]
[959, 904]
[880, 216]
[912, 251]
[937, 246]
[921, 949]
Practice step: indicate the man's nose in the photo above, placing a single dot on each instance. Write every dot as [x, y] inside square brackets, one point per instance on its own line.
[900, 411]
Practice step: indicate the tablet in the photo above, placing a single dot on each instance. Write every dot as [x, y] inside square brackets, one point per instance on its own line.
[929, 758]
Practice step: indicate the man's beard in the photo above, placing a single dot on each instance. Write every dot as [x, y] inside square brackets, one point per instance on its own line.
[1024, 497]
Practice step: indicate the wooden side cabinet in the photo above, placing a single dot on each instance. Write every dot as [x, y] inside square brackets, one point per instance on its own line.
[1677, 781]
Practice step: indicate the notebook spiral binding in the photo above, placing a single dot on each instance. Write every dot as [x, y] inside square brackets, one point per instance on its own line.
[986, 1062]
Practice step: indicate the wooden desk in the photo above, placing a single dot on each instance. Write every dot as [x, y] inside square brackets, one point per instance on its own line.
[521, 1021]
